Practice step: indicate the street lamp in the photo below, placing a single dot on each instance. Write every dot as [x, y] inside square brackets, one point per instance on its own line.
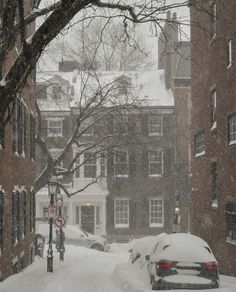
[52, 190]
[61, 235]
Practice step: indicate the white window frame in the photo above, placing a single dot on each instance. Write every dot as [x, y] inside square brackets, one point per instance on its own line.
[152, 212]
[121, 225]
[213, 109]
[201, 149]
[232, 128]
[117, 163]
[154, 124]
[229, 53]
[121, 122]
[51, 133]
[155, 162]
[214, 20]
[88, 127]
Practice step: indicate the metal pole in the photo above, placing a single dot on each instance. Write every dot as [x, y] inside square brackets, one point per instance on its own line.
[50, 250]
[61, 248]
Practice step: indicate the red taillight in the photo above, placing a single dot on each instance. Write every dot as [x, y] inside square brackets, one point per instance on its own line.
[164, 265]
[212, 266]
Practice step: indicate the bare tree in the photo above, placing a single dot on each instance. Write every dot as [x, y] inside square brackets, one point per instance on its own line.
[98, 100]
[15, 21]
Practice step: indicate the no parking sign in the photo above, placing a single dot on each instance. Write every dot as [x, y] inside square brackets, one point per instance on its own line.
[60, 221]
[52, 211]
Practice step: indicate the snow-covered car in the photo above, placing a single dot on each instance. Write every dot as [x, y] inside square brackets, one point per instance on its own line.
[77, 236]
[141, 247]
[180, 261]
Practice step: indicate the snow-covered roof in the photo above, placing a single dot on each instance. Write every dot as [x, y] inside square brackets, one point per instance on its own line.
[148, 87]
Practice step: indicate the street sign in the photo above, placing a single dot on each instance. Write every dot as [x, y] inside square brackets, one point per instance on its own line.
[60, 221]
[52, 211]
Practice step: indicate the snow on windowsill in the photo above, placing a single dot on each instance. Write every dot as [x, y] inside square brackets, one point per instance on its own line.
[232, 142]
[231, 241]
[200, 154]
[215, 204]
[213, 126]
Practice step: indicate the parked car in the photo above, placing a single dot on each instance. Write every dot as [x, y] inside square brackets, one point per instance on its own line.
[180, 261]
[142, 246]
[76, 236]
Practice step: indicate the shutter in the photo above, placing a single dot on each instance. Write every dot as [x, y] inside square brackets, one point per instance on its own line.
[132, 164]
[132, 215]
[144, 120]
[110, 125]
[145, 163]
[167, 161]
[166, 125]
[44, 128]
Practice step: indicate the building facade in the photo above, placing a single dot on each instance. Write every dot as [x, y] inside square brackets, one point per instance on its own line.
[213, 128]
[17, 175]
[134, 194]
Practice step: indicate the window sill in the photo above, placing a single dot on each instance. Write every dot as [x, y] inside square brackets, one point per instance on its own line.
[156, 225]
[214, 204]
[200, 154]
[230, 240]
[213, 127]
[155, 135]
[155, 175]
[232, 142]
[121, 226]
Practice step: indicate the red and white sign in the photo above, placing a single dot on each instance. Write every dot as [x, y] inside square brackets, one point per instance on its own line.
[52, 211]
[60, 221]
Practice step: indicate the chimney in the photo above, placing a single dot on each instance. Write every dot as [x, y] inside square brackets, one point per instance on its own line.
[170, 37]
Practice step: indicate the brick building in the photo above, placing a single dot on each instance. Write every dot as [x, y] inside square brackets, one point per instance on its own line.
[133, 196]
[175, 59]
[214, 128]
[17, 175]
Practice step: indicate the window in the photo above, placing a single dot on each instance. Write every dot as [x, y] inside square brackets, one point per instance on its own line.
[121, 164]
[102, 166]
[214, 19]
[229, 53]
[155, 161]
[41, 91]
[55, 154]
[121, 125]
[121, 213]
[199, 144]
[98, 215]
[32, 211]
[15, 216]
[77, 163]
[2, 205]
[90, 170]
[155, 126]
[214, 180]
[156, 213]
[123, 83]
[54, 128]
[45, 212]
[232, 128]
[87, 127]
[56, 92]
[32, 136]
[24, 210]
[20, 116]
[231, 220]
[213, 109]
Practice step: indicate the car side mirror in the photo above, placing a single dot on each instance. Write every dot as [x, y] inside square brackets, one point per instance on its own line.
[147, 257]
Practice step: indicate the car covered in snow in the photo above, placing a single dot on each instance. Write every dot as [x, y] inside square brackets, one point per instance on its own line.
[76, 236]
[182, 260]
[142, 246]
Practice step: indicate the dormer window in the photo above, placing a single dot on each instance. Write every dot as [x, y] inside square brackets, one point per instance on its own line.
[56, 92]
[123, 83]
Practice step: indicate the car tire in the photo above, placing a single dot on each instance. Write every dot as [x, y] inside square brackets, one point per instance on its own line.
[97, 247]
[154, 283]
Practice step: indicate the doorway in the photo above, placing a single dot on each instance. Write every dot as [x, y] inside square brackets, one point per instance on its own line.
[87, 218]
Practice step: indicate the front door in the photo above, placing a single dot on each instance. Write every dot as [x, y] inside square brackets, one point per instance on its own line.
[87, 218]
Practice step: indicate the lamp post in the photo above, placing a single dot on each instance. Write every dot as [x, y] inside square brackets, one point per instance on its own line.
[61, 234]
[52, 190]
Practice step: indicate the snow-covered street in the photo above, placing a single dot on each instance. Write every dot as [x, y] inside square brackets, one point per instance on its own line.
[87, 270]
